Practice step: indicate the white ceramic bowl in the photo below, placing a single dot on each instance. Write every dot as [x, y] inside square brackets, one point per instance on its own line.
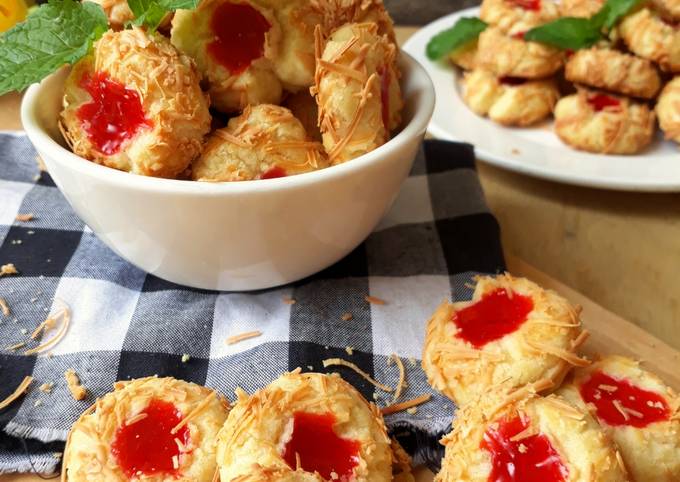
[232, 236]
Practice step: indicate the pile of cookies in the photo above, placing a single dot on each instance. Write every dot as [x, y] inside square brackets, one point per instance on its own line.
[605, 98]
[531, 408]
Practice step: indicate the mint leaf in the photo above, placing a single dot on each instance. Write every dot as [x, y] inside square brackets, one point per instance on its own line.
[465, 30]
[152, 12]
[59, 32]
[568, 33]
[612, 11]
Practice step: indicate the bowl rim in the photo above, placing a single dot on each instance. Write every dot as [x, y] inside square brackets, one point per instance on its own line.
[43, 142]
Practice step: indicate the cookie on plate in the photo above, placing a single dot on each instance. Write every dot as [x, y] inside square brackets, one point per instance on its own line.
[114, 115]
[520, 437]
[604, 123]
[668, 8]
[233, 44]
[465, 56]
[511, 330]
[649, 36]
[638, 411]
[264, 142]
[580, 8]
[150, 428]
[516, 16]
[305, 427]
[507, 56]
[668, 110]
[509, 101]
[614, 71]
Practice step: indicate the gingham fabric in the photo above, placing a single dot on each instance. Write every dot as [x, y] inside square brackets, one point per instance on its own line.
[127, 324]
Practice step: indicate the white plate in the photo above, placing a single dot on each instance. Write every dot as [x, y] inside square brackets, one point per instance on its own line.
[536, 151]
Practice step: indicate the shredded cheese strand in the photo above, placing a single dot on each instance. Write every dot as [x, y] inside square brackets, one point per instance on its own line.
[243, 336]
[402, 376]
[19, 391]
[194, 412]
[398, 407]
[66, 314]
[339, 361]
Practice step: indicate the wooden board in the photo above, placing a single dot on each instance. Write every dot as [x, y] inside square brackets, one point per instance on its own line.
[610, 334]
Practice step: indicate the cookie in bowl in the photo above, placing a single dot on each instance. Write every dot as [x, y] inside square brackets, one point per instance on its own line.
[613, 71]
[604, 123]
[304, 427]
[517, 436]
[511, 330]
[264, 142]
[234, 44]
[357, 90]
[159, 429]
[511, 56]
[509, 100]
[668, 110]
[638, 411]
[115, 116]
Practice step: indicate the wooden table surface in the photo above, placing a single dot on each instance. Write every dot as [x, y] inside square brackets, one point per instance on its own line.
[621, 249]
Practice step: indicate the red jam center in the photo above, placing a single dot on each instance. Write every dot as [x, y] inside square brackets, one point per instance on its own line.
[497, 314]
[518, 35]
[530, 459]
[273, 172]
[239, 36]
[385, 80]
[147, 446]
[619, 402]
[512, 80]
[534, 5]
[319, 449]
[114, 115]
[600, 101]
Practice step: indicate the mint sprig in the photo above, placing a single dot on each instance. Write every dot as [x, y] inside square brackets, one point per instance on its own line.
[58, 33]
[465, 30]
[572, 33]
[152, 12]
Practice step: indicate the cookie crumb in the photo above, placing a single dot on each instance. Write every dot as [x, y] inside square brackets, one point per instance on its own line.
[374, 300]
[78, 392]
[4, 307]
[288, 300]
[185, 358]
[349, 350]
[8, 269]
[25, 217]
[46, 387]
[346, 316]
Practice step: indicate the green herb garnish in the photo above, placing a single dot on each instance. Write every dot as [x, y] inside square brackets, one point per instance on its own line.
[465, 30]
[59, 32]
[571, 33]
[152, 12]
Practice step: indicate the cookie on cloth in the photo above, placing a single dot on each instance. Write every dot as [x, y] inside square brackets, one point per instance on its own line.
[157, 429]
[604, 123]
[506, 56]
[668, 110]
[515, 16]
[509, 101]
[304, 427]
[614, 71]
[266, 141]
[520, 437]
[114, 115]
[234, 44]
[638, 411]
[512, 331]
[649, 36]
[357, 90]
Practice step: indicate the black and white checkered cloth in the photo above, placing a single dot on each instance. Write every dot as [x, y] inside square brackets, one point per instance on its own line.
[127, 324]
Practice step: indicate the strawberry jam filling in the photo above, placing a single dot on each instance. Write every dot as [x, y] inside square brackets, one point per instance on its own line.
[317, 448]
[273, 172]
[521, 459]
[512, 80]
[602, 101]
[518, 35]
[148, 446]
[239, 36]
[619, 402]
[495, 315]
[114, 114]
[534, 5]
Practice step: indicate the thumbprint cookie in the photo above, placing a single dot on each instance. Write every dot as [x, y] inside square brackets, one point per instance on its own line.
[114, 115]
[638, 411]
[580, 8]
[522, 437]
[604, 123]
[513, 16]
[652, 37]
[357, 90]
[264, 142]
[511, 330]
[509, 100]
[157, 429]
[668, 110]
[234, 44]
[304, 427]
[512, 56]
[615, 71]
